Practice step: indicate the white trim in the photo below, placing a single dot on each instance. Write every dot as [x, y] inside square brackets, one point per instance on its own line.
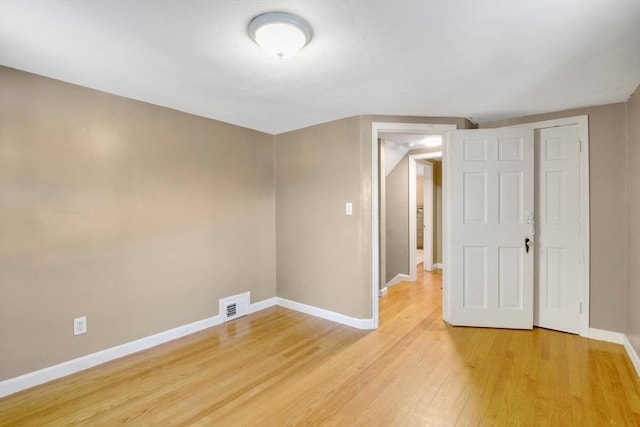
[63, 369]
[261, 305]
[375, 228]
[399, 278]
[446, 226]
[383, 292]
[41, 376]
[413, 240]
[583, 133]
[616, 338]
[242, 303]
[326, 314]
[604, 335]
[633, 354]
[437, 265]
[375, 208]
[428, 192]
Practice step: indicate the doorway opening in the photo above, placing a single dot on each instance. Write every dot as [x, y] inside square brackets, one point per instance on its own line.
[401, 256]
[430, 202]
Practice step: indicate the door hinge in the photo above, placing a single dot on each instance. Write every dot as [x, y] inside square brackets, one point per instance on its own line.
[580, 141]
[580, 308]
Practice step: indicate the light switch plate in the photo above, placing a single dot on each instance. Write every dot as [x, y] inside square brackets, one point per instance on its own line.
[348, 208]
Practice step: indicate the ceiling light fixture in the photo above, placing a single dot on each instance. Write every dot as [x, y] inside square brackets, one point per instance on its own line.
[280, 34]
[433, 141]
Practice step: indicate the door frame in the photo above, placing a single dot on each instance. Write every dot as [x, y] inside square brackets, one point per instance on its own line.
[428, 191]
[376, 128]
[413, 239]
[585, 284]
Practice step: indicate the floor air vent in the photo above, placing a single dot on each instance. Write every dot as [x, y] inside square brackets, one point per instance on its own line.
[234, 306]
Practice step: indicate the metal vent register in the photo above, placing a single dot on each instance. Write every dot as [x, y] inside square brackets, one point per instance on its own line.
[232, 310]
[234, 306]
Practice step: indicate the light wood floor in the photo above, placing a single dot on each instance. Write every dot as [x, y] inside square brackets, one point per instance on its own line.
[279, 368]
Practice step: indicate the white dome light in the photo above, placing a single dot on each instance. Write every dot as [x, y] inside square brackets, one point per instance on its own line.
[280, 34]
[433, 141]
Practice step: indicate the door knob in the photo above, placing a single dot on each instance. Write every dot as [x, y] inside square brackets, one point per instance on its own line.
[528, 243]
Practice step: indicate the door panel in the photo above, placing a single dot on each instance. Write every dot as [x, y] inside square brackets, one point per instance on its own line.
[475, 277]
[510, 197]
[492, 196]
[510, 278]
[475, 198]
[558, 239]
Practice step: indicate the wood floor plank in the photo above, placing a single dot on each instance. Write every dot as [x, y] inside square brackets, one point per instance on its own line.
[282, 368]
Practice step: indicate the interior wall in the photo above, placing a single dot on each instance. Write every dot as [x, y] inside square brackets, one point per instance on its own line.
[323, 256]
[608, 208]
[397, 220]
[321, 252]
[633, 220]
[139, 217]
[382, 220]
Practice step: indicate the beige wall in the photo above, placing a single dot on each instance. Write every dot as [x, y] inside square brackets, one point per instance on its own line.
[137, 216]
[607, 151]
[633, 220]
[323, 256]
[321, 252]
[382, 219]
[397, 220]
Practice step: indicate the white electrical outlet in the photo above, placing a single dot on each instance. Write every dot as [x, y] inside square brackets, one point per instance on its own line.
[80, 325]
[348, 208]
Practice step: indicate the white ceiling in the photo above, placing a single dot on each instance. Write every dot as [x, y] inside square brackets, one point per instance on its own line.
[482, 60]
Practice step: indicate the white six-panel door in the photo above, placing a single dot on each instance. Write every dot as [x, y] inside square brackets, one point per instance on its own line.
[557, 301]
[492, 207]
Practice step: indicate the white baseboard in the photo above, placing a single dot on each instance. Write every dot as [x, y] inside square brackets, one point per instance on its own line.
[602, 335]
[399, 278]
[633, 354]
[261, 305]
[326, 314]
[383, 292]
[438, 265]
[617, 338]
[41, 376]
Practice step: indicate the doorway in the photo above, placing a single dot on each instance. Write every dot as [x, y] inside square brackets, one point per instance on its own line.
[378, 219]
[425, 213]
[432, 216]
